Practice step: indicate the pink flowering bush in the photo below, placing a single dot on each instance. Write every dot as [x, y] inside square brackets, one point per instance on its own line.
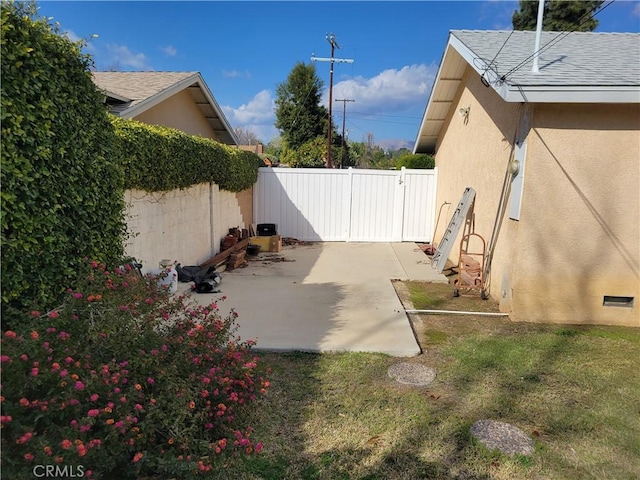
[127, 381]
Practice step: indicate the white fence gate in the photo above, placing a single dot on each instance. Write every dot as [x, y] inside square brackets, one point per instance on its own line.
[347, 205]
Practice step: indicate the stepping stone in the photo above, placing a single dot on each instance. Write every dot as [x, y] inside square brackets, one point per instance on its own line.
[502, 436]
[412, 374]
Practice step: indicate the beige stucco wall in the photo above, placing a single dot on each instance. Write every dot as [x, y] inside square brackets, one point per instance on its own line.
[578, 234]
[580, 224]
[183, 225]
[180, 112]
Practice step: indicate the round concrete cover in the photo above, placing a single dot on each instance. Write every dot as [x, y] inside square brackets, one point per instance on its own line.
[502, 436]
[412, 373]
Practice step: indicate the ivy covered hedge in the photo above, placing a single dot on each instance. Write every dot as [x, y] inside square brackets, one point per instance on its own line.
[158, 159]
[62, 188]
[66, 163]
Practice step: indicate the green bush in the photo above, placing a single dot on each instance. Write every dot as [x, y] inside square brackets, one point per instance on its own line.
[158, 159]
[415, 161]
[62, 189]
[310, 154]
[126, 381]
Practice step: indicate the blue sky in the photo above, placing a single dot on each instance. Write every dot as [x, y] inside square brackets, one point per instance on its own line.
[244, 49]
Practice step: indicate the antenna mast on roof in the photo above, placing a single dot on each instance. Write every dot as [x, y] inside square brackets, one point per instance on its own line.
[536, 51]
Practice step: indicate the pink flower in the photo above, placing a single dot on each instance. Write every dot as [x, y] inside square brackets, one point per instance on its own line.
[94, 412]
[28, 457]
[53, 314]
[5, 358]
[259, 447]
[34, 372]
[68, 360]
[79, 385]
[10, 334]
[94, 397]
[138, 407]
[64, 373]
[35, 313]
[51, 330]
[5, 418]
[77, 295]
[150, 381]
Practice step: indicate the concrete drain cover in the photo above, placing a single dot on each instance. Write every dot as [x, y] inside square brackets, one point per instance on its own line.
[502, 436]
[412, 373]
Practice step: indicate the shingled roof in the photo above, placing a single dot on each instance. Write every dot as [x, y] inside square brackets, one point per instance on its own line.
[131, 93]
[574, 67]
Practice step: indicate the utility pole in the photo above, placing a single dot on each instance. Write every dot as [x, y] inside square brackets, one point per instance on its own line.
[344, 114]
[331, 38]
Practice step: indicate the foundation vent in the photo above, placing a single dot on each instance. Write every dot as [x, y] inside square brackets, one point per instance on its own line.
[612, 301]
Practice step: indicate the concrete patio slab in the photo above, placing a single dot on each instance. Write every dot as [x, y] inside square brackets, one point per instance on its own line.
[325, 297]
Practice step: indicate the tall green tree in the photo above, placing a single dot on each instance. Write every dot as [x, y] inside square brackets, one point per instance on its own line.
[559, 15]
[299, 115]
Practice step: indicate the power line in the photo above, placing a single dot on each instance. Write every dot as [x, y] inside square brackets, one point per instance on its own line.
[331, 38]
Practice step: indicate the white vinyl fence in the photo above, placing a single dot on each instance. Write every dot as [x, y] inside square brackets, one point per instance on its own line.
[347, 205]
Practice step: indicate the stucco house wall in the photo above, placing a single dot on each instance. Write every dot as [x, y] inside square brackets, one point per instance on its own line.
[180, 112]
[577, 237]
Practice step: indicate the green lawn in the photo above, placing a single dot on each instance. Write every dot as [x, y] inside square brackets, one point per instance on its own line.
[575, 390]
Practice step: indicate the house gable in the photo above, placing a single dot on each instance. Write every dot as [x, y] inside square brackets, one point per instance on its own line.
[135, 94]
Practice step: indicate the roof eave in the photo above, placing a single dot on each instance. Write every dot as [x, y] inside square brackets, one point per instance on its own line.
[570, 94]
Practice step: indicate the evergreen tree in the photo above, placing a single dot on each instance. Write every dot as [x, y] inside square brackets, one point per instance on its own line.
[299, 115]
[559, 15]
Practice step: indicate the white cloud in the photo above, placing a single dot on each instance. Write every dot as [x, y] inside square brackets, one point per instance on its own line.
[256, 115]
[258, 110]
[169, 50]
[71, 35]
[390, 91]
[88, 46]
[235, 74]
[121, 56]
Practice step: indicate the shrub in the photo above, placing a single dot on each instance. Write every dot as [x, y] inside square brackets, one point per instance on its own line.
[125, 380]
[159, 159]
[415, 161]
[62, 190]
[310, 154]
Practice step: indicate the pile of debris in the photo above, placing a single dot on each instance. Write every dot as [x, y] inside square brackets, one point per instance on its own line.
[288, 241]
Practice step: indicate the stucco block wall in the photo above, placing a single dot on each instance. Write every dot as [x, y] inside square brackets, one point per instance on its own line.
[226, 214]
[577, 238]
[183, 225]
[180, 112]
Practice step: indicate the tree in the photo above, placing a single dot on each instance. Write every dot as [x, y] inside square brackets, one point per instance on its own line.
[246, 136]
[299, 115]
[559, 15]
